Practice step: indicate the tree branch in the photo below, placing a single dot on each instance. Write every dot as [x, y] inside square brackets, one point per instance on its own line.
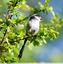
[7, 17]
[3, 37]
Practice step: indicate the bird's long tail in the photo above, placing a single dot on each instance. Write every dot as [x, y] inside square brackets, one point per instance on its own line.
[22, 49]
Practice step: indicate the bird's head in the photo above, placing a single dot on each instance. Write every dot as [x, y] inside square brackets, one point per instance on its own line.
[36, 16]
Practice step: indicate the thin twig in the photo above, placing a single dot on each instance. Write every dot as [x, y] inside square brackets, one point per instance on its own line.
[7, 17]
[3, 37]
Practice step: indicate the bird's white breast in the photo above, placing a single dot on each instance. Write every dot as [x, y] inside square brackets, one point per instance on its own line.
[34, 24]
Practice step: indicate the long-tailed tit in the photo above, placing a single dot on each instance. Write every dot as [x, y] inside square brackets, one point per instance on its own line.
[32, 28]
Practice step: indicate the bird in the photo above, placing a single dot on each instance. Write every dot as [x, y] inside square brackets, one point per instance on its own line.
[32, 28]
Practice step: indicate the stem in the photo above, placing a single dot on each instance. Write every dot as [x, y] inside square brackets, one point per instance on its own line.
[3, 36]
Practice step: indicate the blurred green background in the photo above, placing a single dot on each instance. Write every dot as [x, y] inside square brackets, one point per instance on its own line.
[51, 52]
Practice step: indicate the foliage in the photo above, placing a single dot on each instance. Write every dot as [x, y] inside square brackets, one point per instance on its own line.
[12, 29]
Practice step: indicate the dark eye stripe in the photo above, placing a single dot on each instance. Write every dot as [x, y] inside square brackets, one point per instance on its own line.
[32, 17]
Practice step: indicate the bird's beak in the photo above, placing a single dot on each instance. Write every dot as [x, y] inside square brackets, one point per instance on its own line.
[40, 18]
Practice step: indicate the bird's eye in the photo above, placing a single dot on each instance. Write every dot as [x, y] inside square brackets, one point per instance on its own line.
[32, 17]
